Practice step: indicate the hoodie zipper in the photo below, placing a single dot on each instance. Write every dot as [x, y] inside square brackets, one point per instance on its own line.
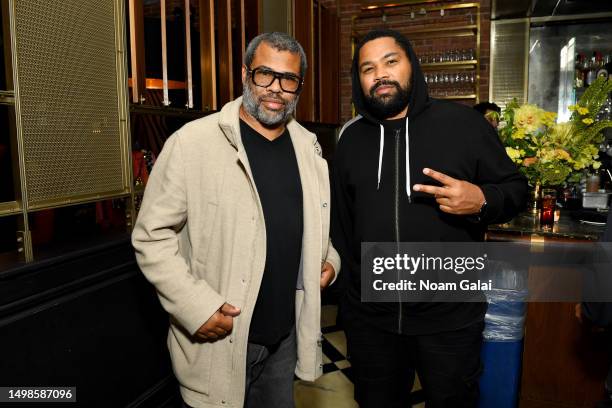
[397, 228]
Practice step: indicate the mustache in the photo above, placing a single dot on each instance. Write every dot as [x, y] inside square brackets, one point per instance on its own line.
[272, 98]
[384, 82]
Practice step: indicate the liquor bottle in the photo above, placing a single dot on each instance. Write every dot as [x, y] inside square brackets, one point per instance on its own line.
[604, 69]
[592, 72]
[579, 81]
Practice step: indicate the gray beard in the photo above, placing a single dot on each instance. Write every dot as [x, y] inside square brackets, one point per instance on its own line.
[253, 107]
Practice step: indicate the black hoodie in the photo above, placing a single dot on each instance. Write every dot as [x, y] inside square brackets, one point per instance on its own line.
[373, 200]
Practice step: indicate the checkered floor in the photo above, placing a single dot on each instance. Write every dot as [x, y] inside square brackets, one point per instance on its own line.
[335, 388]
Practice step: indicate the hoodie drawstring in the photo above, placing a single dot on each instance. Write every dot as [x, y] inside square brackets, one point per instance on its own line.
[408, 190]
[380, 154]
[380, 159]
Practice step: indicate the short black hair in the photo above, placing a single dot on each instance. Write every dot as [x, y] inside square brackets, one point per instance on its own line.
[399, 38]
[483, 107]
[280, 42]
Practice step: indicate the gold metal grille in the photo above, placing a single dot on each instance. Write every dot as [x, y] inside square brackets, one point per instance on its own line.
[509, 61]
[69, 100]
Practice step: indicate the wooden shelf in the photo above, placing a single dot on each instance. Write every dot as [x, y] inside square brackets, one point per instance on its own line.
[471, 64]
[7, 97]
[471, 27]
[455, 97]
[10, 208]
[376, 8]
[444, 32]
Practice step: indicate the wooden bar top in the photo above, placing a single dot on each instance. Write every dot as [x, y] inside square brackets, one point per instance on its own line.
[526, 226]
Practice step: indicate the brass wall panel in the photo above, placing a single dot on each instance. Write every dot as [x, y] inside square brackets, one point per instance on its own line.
[509, 61]
[70, 100]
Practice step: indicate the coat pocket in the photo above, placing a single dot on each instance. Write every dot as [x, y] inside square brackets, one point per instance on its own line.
[191, 360]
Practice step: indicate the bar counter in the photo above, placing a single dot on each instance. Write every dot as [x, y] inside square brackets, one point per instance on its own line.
[526, 226]
[564, 362]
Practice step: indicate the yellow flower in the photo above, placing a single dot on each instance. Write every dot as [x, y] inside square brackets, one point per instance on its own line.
[518, 134]
[572, 107]
[596, 165]
[549, 118]
[587, 121]
[583, 111]
[513, 153]
[529, 118]
[562, 154]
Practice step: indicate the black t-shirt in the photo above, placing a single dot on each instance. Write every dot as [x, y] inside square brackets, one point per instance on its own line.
[275, 170]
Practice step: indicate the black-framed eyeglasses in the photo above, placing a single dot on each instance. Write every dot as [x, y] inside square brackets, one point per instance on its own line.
[264, 77]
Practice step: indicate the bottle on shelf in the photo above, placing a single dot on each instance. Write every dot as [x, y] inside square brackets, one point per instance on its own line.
[604, 67]
[585, 68]
[579, 72]
[591, 75]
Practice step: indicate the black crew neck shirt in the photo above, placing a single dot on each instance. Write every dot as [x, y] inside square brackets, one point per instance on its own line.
[277, 178]
[394, 124]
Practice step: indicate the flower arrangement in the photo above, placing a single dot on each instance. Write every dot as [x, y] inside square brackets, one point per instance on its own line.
[551, 153]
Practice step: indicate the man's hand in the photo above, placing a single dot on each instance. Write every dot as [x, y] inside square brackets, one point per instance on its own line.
[455, 196]
[327, 274]
[218, 325]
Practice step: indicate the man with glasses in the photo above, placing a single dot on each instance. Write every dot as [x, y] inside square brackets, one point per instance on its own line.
[234, 234]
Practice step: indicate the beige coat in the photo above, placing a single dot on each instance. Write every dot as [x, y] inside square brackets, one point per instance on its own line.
[200, 239]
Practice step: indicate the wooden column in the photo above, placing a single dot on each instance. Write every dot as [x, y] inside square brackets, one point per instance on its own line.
[208, 69]
[238, 43]
[225, 60]
[303, 31]
[137, 48]
[252, 13]
[329, 67]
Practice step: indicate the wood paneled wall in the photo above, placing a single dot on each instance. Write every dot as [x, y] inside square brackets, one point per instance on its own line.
[317, 28]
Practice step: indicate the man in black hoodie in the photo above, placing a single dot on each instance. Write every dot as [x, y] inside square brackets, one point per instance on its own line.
[412, 168]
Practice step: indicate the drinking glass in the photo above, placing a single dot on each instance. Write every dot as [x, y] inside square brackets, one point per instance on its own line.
[547, 213]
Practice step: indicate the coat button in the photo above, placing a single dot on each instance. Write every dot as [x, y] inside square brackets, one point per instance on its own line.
[324, 205]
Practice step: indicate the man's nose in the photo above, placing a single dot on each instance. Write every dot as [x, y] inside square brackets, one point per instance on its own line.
[275, 86]
[380, 74]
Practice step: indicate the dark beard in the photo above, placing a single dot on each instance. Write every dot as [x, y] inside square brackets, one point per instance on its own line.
[387, 107]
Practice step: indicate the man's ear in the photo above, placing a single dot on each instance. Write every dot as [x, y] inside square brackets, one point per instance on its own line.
[244, 73]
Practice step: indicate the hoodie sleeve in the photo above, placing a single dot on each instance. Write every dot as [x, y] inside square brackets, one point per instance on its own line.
[342, 216]
[504, 187]
[189, 300]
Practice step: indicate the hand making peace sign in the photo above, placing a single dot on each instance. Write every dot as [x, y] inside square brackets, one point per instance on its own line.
[455, 196]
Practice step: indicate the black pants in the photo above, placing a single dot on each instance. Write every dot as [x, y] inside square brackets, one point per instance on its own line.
[384, 364]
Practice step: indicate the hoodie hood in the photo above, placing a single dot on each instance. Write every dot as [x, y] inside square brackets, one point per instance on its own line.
[419, 97]
[418, 101]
